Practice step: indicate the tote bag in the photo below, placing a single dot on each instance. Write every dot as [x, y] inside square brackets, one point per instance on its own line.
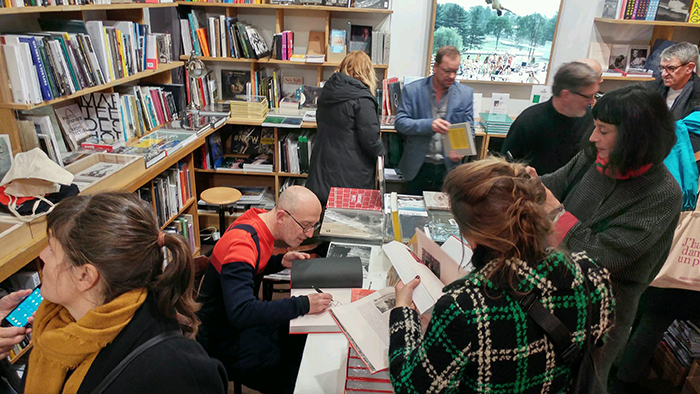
[682, 267]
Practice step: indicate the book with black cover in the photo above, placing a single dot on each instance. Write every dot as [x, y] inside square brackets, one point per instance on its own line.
[335, 272]
[673, 10]
[233, 82]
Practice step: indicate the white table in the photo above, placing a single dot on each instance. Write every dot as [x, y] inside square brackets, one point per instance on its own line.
[324, 362]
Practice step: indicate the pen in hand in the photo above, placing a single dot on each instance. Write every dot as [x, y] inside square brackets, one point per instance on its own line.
[318, 290]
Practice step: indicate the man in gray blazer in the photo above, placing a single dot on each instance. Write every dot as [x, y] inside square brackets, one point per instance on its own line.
[428, 107]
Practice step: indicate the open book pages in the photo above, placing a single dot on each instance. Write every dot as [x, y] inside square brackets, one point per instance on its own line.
[366, 325]
[321, 322]
[438, 260]
[408, 265]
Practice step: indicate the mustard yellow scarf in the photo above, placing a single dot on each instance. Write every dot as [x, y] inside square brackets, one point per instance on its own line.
[62, 344]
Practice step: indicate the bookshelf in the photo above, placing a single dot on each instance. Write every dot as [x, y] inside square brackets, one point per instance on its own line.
[88, 7]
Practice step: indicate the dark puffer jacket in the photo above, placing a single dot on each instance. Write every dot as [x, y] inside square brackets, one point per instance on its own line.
[347, 142]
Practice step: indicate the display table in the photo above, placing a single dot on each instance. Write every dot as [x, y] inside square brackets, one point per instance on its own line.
[323, 365]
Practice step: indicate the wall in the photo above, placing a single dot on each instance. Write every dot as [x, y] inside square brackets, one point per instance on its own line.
[410, 40]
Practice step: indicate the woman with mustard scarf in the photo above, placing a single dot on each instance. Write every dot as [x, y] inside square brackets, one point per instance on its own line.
[106, 293]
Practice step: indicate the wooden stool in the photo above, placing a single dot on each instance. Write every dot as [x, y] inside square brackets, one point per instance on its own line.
[221, 196]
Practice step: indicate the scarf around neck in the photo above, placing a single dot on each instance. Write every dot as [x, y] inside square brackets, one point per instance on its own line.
[62, 344]
[602, 166]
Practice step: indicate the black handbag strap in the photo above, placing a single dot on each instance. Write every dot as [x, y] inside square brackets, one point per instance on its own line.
[556, 330]
[131, 356]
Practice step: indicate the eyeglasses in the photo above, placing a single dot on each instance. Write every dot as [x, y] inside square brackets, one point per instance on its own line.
[587, 97]
[449, 72]
[670, 69]
[315, 226]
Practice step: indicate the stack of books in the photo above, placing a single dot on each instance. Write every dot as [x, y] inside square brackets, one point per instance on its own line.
[254, 107]
[496, 123]
[361, 379]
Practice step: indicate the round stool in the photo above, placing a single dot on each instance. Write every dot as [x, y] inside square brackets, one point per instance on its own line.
[221, 196]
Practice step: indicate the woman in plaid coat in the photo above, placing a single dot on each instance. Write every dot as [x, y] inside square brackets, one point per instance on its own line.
[479, 339]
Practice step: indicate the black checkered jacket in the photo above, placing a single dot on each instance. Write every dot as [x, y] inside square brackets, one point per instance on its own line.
[479, 340]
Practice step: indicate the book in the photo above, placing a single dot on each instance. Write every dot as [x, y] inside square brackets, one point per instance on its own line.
[637, 59]
[334, 272]
[309, 96]
[460, 139]
[102, 115]
[355, 199]
[6, 157]
[318, 323]
[97, 172]
[366, 253]
[233, 83]
[365, 323]
[436, 270]
[618, 59]
[291, 86]
[74, 128]
[436, 200]
[694, 12]
[361, 39]
[673, 10]
[600, 52]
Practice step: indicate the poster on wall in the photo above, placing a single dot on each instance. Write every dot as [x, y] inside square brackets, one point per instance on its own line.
[506, 41]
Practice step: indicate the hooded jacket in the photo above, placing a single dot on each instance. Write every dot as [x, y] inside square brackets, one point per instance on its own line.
[347, 142]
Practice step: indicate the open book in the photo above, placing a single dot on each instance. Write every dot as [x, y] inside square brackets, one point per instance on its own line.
[434, 266]
[365, 323]
[320, 323]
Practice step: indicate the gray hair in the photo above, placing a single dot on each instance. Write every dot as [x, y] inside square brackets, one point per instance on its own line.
[684, 51]
[573, 76]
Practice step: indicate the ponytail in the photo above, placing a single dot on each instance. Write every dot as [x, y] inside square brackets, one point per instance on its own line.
[173, 288]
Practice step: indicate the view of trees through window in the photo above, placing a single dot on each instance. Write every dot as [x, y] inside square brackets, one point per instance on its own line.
[513, 47]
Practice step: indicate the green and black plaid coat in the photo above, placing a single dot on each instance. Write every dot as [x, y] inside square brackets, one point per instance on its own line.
[479, 340]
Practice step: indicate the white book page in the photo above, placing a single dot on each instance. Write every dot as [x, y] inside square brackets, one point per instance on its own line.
[319, 322]
[439, 261]
[365, 323]
[404, 261]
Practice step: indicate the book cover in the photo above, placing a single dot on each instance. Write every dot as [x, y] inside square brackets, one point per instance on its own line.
[638, 58]
[609, 8]
[673, 10]
[233, 83]
[361, 39]
[309, 96]
[73, 125]
[292, 85]
[101, 112]
[694, 12]
[618, 60]
[5, 155]
[350, 198]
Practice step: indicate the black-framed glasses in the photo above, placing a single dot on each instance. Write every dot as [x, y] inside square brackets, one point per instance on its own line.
[315, 226]
[587, 97]
[671, 69]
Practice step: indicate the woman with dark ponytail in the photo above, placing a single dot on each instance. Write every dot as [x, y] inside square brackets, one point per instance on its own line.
[480, 338]
[108, 296]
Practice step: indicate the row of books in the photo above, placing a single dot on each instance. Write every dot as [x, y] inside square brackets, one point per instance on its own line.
[39, 3]
[50, 64]
[202, 90]
[283, 45]
[294, 151]
[248, 106]
[171, 191]
[650, 10]
[184, 225]
[221, 36]
[390, 96]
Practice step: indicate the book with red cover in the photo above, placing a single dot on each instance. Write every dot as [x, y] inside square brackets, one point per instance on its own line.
[349, 198]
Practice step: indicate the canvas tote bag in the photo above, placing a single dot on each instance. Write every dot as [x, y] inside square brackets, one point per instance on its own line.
[682, 267]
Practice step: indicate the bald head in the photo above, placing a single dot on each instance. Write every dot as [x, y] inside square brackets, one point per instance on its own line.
[594, 65]
[296, 198]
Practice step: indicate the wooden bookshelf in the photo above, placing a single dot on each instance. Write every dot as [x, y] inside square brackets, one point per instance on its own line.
[644, 23]
[271, 61]
[143, 74]
[89, 7]
[316, 8]
[182, 210]
[21, 353]
[628, 79]
[258, 122]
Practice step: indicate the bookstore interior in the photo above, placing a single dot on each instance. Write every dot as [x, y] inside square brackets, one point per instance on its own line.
[207, 111]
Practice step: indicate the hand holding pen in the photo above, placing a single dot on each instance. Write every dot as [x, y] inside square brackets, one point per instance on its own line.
[319, 301]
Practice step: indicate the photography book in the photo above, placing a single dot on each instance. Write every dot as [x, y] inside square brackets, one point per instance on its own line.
[435, 267]
[365, 323]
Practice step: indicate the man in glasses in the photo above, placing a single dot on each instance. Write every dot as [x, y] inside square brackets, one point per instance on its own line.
[679, 84]
[248, 335]
[428, 107]
[547, 135]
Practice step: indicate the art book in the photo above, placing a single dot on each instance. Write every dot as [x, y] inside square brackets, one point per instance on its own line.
[291, 86]
[102, 114]
[638, 59]
[618, 58]
[356, 199]
[673, 10]
[233, 82]
[459, 138]
[436, 200]
[5, 155]
[74, 127]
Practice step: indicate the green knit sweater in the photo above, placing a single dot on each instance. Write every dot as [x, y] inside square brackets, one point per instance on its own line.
[480, 340]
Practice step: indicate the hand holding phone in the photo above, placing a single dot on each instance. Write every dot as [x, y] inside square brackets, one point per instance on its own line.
[20, 315]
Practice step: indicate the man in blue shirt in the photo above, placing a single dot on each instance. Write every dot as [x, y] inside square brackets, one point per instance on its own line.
[428, 107]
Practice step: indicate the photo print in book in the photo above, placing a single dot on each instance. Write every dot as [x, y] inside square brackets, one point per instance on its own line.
[233, 82]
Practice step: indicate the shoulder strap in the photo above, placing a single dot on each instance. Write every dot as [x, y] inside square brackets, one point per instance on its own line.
[555, 329]
[253, 234]
[129, 358]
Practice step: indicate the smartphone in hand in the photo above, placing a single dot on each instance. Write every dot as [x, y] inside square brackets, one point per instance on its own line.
[18, 317]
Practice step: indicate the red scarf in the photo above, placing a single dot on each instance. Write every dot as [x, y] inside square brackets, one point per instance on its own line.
[601, 164]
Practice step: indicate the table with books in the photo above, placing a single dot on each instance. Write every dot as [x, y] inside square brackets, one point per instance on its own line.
[347, 346]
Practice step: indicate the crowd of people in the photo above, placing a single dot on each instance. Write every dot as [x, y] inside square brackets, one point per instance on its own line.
[567, 234]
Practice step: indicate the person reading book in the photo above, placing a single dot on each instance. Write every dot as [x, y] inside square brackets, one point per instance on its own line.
[106, 294]
[248, 335]
[479, 337]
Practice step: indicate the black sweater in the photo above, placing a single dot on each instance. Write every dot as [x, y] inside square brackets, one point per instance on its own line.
[546, 139]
